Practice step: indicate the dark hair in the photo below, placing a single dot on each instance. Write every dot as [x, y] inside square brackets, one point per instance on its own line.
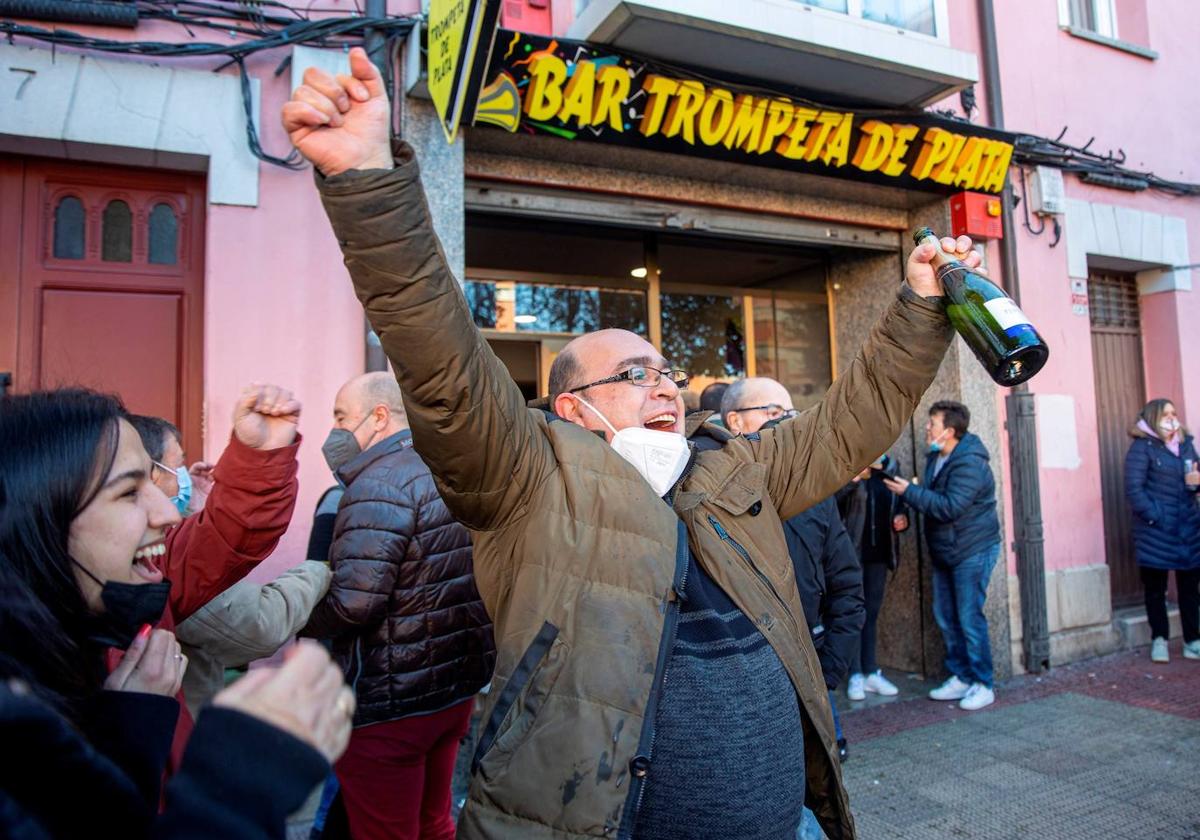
[153, 431]
[710, 397]
[56, 447]
[955, 416]
[564, 371]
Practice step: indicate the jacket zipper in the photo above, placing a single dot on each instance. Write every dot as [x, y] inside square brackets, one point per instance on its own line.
[358, 664]
[745, 555]
[633, 801]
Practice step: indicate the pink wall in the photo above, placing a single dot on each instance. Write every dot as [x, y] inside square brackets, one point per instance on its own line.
[279, 307]
[1151, 109]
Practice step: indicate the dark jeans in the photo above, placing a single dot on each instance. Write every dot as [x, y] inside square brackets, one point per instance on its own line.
[875, 577]
[958, 596]
[1187, 583]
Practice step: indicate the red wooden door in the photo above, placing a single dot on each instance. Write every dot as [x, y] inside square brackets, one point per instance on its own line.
[1120, 394]
[111, 286]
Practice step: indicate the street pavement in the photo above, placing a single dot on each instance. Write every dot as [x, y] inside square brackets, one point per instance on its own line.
[1108, 748]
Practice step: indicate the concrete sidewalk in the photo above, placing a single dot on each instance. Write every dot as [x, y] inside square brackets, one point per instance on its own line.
[1107, 748]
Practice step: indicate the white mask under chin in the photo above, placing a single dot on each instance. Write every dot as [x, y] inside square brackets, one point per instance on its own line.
[660, 457]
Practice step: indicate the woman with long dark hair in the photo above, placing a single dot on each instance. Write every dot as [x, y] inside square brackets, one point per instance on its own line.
[1162, 478]
[81, 524]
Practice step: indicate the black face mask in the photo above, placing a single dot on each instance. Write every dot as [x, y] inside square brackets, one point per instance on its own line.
[127, 606]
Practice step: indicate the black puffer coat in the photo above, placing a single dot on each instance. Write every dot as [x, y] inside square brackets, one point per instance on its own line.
[1166, 520]
[407, 624]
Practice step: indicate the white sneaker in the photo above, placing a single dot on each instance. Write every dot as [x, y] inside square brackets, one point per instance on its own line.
[951, 689]
[1192, 650]
[978, 696]
[854, 688]
[1158, 652]
[877, 683]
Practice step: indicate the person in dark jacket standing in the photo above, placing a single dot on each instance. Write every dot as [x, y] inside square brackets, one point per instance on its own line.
[962, 530]
[407, 624]
[1162, 478]
[828, 575]
[873, 515]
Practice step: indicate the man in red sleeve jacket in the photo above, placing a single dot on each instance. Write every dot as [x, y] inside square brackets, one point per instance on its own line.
[249, 508]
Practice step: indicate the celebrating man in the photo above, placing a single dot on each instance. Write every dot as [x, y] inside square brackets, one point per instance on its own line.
[601, 538]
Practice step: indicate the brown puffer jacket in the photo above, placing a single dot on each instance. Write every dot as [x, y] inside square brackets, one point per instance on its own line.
[577, 559]
[408, 628]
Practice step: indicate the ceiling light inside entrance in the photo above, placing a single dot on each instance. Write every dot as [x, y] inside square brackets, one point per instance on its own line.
[638, 272]
[524, 319]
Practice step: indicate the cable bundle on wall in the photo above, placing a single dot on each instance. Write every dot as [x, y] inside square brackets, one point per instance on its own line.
[259, 31]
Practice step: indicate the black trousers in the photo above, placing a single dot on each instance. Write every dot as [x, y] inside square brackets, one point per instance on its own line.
[1188, 584]
[875, 577]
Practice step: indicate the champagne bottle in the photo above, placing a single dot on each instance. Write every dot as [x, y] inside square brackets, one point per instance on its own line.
[994, 327]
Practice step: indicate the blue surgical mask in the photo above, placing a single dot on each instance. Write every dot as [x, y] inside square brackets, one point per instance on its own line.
[183, 498]
[935, 445]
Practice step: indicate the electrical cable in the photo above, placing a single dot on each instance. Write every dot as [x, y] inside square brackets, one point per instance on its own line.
[265, 30]
[322, 32]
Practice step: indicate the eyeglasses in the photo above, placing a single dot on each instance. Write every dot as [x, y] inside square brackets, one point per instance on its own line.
[774, 411]
[643, 377]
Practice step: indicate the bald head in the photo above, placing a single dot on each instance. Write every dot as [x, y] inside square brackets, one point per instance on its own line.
[600, 355]
[744, 406]
[371, 407]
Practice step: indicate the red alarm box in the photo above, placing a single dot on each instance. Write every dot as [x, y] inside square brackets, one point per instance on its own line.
[977, 215]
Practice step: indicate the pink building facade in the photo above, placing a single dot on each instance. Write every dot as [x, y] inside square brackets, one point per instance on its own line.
[522, 217]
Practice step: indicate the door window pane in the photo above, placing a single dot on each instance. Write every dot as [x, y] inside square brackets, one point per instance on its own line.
[69, 229]
[913, 15]
[163, 235]
[704, 334]
[545, 307]
[791, 345]
[116, 241]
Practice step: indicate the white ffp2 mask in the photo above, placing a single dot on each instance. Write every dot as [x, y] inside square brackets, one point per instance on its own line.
[660, 457]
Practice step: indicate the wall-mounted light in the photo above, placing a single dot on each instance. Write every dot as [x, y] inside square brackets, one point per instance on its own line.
[524, 319]
[639, 273]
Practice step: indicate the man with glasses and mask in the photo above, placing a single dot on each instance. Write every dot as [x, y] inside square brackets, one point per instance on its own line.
[616, 562]
[405, 620]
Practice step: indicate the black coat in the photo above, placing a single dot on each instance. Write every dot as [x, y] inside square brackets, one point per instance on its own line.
[829, 579]
[1166, 521]
[959, 504]
[408, 627]
[867, 509]
[240, 777]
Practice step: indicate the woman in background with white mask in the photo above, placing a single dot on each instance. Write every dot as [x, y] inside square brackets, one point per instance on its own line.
[1162, 478]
